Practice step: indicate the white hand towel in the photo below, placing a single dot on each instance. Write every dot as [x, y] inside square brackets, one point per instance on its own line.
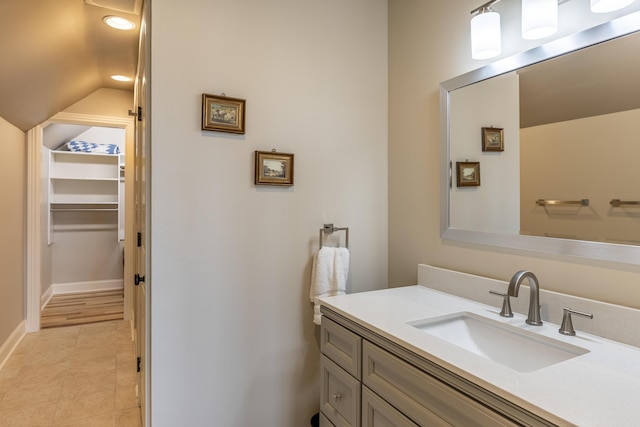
[329, 274]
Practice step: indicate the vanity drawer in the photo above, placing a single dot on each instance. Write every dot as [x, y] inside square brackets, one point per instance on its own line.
[339, 395]
[342, 346]
[418, 395]
[378, 413]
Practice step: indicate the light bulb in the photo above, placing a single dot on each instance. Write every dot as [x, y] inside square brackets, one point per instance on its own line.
[119, 23]
[121, 78]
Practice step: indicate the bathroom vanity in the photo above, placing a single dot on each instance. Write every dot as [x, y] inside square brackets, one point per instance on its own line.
[419, 356]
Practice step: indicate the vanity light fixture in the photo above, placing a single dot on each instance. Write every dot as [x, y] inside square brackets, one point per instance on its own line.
[119, 23]
[485, 32]
[604, 6]
[539, 18]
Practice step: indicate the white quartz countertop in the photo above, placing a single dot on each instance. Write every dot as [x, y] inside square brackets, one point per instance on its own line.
[599, 388]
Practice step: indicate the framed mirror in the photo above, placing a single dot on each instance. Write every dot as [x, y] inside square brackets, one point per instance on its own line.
[530, 198]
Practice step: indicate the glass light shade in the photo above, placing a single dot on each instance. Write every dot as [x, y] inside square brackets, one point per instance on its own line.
[485, 35]
[539, 18]
[604, 6]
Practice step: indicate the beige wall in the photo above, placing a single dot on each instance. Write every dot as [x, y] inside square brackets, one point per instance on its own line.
[233, 340]
[594, 158]
[13, 187]
[429, 43]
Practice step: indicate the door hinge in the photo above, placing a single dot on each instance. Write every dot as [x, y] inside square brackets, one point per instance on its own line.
[138, 365]
[137, 279]
[139, 239]
[137, 114]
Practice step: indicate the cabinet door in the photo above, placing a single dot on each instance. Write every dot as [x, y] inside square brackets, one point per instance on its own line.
[339, 395]
[342, 346]
[419, 395]
[378, 413]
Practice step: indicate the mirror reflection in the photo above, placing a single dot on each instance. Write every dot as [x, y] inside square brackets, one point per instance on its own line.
[571, 129]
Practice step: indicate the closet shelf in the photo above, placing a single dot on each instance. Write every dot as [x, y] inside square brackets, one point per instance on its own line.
[84, 207]
[63, 153]
[83, 178]
[84, 188]
[83, 204]
[84, 210]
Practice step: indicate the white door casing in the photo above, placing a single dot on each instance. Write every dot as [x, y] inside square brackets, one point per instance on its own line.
[35, 211]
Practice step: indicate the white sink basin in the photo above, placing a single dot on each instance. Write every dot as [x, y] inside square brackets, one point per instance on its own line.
[510, 346]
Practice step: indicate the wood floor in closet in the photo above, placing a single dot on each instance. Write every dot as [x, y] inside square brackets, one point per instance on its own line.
[80, 308]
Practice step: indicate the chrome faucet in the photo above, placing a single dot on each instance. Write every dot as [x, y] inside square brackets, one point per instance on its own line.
[534, 294]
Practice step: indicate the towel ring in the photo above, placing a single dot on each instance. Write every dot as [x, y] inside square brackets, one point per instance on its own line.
[330, 229]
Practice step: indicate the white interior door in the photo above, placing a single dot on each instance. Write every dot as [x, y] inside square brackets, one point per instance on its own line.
[141, 171]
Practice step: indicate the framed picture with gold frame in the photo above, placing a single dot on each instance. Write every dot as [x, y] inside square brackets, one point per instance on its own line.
[222, 113]
[468, 174]
[273, 168]
[492, 139]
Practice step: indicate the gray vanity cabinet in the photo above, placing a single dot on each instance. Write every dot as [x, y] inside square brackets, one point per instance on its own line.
[344, 400]
[340, 381]
[366, 383]
[420, 396]
[376, 412]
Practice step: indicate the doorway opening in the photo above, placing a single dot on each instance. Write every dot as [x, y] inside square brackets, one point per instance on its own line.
[80, 212]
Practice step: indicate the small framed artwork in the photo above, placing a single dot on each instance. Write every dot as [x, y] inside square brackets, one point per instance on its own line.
[274, 168]
[222, 113]
[492, 139]
[468, 174]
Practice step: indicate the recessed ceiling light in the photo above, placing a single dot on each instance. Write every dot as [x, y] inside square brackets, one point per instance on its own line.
[121, 78]
[119, 23]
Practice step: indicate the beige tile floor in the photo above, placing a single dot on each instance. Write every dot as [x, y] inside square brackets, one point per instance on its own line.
[71, 376]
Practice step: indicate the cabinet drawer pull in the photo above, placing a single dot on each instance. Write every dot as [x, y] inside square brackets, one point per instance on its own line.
[337, 397]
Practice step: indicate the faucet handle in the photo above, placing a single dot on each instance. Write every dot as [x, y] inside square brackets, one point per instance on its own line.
[506, 304]
[567, 325]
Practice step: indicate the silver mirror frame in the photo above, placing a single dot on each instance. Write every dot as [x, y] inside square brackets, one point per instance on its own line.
[611, 252]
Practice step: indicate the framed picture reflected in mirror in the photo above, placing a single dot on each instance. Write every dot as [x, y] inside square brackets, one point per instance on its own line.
[468, 174]
[492, 139]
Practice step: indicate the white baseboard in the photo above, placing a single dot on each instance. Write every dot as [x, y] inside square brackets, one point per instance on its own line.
[94, 286]
[11, 343]
[45, 297]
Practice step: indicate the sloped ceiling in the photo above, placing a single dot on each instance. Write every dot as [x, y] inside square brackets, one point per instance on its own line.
[55, 52]
[56, 134]
[601, 79]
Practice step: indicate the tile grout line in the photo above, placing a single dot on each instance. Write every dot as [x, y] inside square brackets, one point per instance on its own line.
[86, 406]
